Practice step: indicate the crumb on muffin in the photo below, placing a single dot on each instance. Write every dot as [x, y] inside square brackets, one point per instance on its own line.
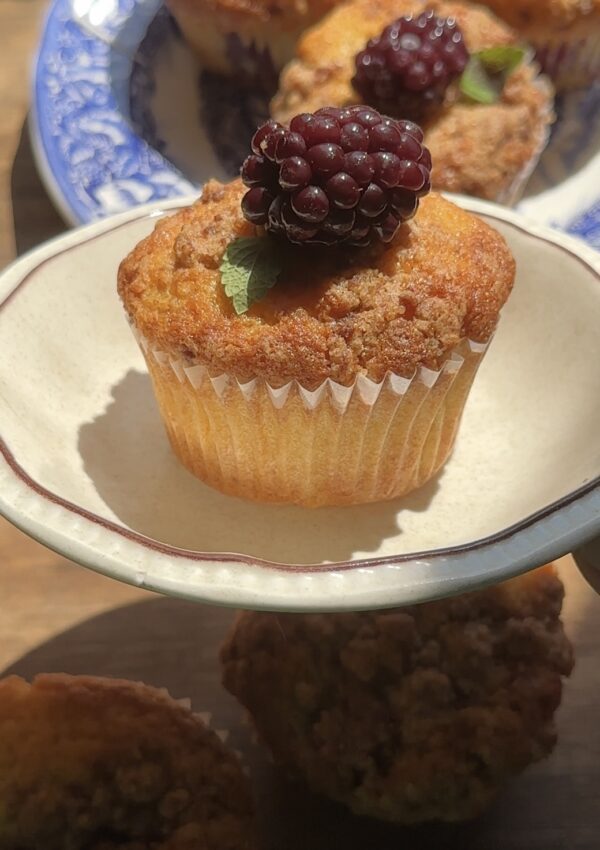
[482, 150]
[332, 314]
[416, 714]
[96, 764]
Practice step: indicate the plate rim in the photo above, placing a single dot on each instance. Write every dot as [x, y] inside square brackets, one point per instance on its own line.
[586, 527]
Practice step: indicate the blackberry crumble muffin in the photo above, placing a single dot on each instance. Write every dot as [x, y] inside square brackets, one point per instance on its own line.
[312, 336]
[452, 66]
[96, 764]
[417, 714]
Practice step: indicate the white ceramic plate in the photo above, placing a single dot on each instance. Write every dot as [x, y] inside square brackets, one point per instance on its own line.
[122, 115]
[86, 467]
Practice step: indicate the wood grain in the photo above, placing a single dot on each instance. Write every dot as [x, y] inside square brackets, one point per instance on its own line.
[26, 215]
[55, 615]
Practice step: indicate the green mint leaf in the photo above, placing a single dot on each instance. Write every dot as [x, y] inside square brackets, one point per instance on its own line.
[502, 59]
[485, 76]
[477, 84]
[250, 267]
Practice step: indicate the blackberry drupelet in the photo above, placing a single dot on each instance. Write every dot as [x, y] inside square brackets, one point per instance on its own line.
[347, 175]
[407, 69]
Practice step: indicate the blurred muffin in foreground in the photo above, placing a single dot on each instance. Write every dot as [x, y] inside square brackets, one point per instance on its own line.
[96, 764]
[249, 39]
[565, 34]
[429, 61]
[408, 715]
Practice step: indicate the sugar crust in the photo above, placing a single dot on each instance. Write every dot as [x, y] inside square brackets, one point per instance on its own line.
[98, 763]
[334, 315]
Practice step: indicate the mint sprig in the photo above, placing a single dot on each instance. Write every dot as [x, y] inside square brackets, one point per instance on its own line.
[485, 76]
[250, 267]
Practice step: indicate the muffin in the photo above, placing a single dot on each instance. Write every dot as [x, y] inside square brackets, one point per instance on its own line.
[417, 714]
[246, 38]
[95, 764]
[564, 33]
[345, 381]
[485, 149]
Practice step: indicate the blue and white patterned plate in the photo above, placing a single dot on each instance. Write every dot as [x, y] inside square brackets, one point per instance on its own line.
[122, 116]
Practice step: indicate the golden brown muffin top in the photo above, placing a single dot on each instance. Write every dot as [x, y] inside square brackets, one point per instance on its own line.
[278, 12]
[332, 314]
[477, 149]
[547, 15]
[85, 760]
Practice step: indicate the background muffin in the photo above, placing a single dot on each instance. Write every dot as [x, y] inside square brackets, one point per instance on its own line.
[246, 38]
[565, 34]
[99, 763]
[346, 381]
[409, 715]
[486, 150]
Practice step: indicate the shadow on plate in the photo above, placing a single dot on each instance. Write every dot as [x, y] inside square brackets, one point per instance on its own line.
[126, 454]
[174, 644]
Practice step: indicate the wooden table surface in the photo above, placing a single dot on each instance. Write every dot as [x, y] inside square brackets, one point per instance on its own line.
[55, 615]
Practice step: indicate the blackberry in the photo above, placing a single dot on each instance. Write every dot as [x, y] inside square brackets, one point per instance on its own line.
[346, 175]
[407, 69]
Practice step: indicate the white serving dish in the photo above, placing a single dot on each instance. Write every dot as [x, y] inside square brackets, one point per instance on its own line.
[85, 466]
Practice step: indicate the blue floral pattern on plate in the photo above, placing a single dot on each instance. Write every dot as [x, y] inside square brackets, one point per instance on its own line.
[122, 115]
[93, 160]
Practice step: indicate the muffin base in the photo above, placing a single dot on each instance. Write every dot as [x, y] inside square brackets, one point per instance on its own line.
[235, 46]
[68, 781]
[572, 61]
[335, 445]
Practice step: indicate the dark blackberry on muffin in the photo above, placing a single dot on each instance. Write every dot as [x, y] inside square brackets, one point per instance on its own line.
[407, 69]
[340, 176]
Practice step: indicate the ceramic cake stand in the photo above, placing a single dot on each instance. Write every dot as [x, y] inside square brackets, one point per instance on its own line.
[85, 466]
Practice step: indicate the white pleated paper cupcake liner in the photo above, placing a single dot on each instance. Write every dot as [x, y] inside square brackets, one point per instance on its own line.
[331, 445]
[340, 395]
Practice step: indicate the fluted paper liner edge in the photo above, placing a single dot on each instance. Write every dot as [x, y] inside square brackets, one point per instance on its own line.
[563, 60]
[333, 445]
